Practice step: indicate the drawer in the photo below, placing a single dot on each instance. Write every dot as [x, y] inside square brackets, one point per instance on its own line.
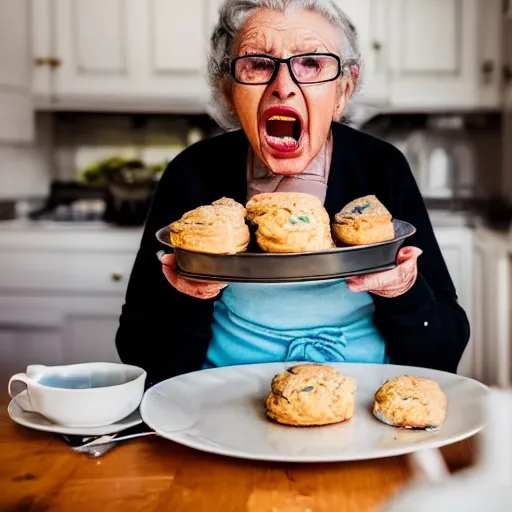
[23, 271]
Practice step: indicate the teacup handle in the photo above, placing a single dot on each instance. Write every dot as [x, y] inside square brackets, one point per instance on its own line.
[23, 402]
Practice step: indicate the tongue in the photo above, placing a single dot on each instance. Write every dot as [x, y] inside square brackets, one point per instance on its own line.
[280, 129]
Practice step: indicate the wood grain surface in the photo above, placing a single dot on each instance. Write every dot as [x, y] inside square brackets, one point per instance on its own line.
[39, 472]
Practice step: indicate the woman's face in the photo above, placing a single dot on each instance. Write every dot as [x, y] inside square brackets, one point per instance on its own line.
[309, 109]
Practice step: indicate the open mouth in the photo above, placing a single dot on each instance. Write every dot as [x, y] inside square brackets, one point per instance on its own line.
[283, 131]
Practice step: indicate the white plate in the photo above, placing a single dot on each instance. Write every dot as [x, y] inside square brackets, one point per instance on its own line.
[222, 411]
[38, 422]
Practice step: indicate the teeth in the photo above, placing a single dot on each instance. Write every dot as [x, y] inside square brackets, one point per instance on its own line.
[285, 141]
[283, 118]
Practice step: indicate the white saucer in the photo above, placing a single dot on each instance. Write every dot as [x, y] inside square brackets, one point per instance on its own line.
[38, 422]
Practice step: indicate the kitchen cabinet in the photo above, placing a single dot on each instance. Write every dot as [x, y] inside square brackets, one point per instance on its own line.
[65, 309]
[16, 113]
[457, 247]
[123, 54]
[63, 306]
[445, 53]
[493, 307]
[370, 18]
[137, 55]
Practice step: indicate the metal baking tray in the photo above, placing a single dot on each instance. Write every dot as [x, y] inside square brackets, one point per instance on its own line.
[260, 267]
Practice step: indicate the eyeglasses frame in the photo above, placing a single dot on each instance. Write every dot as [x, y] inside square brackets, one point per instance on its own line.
[287, 61]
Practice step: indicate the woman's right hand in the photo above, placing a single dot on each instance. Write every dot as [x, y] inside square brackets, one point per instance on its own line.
[193, 288]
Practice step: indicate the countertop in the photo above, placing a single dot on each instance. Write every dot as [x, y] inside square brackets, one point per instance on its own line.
[103, 237]
[78, 236]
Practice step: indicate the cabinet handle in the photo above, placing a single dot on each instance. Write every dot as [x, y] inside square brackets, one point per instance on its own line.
[54, 62]
[41, 61]
[487, 70]
[48, 61]
[117, 277]
[507, 73]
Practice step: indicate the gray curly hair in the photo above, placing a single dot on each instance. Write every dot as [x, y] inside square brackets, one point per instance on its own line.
[232, 16]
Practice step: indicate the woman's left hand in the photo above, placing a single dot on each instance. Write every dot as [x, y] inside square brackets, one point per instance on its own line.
[390, 283]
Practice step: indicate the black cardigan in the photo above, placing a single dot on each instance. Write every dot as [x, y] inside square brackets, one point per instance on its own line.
[167, 333]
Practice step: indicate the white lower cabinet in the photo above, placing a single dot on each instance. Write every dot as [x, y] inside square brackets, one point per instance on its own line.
[57, 330]
[457, 247]
[492, 326]
[64, 307]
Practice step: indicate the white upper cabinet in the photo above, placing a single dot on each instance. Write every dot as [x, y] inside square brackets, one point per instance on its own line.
[151, 55]
[123, 54]
[370, 20]
[92, 45]
[16, 114]
[444, 53]
[175, 51]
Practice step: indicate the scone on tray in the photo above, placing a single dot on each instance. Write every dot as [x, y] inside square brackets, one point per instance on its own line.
[311, 395]
[289, 222]
[218, 228]
[410, 402]
[363, 221]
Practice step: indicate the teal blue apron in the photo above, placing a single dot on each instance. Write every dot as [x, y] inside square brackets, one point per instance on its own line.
[321, 322]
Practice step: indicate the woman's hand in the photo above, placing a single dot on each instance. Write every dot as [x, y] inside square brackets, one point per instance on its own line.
[186, 286]
[390, 283]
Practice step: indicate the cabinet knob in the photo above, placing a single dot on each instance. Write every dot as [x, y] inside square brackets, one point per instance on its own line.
[487, 70]
[47, 61]
[54, 63]
[507, 74]
[116, 277]
[41, 61]
[377, 46]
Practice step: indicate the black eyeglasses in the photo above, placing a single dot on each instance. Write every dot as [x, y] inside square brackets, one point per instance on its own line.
[305, 68]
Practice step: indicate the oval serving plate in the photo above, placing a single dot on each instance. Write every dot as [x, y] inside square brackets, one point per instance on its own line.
[260, 267]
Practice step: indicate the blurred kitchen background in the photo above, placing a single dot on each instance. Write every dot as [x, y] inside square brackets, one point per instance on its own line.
[96, 96]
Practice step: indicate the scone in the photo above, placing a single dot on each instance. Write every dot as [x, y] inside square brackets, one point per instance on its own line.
[311, 395]
[410, 402]
[218, 228]
[363, 221]
[288, 222]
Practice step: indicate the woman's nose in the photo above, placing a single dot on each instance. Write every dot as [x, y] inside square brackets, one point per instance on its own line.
[283, 86]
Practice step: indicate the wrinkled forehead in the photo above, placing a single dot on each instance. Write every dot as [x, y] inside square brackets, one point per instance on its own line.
[282, 34]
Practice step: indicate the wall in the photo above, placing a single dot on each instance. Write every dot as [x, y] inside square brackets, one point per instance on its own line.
[25, 169]
[81, 139]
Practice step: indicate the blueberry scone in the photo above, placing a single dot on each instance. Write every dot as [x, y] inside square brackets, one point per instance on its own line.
[218, 228]
[311, 395]
[363, 221]
[410, 402]
[289, 222]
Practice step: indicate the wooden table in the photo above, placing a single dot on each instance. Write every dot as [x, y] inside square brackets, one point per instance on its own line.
[38, 472]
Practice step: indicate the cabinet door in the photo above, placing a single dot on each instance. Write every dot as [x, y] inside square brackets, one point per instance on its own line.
[92, 48]
[21, 346]
[172, 59]
[433, 52]
[42, 51]
[90, 338]
[16, 115]
[456, 245]
[370, 18]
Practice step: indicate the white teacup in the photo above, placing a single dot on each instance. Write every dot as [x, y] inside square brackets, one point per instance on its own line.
[486, 486]
[81, 395]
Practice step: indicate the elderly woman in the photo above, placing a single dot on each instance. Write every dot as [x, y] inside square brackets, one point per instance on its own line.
[283, 71]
